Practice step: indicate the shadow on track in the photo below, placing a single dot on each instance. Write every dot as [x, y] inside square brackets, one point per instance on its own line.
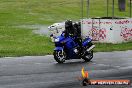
[74, 64]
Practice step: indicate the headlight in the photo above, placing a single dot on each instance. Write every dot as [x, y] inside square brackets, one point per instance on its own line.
[57, 40]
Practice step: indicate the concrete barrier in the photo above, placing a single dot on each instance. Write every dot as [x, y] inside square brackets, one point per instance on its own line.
[107, 30]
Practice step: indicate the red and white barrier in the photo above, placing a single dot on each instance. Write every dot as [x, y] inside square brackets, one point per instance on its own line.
[108, 30]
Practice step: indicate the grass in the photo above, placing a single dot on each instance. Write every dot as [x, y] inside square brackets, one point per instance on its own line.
[16, 41]
[21, 42]
[108, 47]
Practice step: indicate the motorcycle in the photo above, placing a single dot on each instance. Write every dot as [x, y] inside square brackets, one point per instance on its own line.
[66, 48]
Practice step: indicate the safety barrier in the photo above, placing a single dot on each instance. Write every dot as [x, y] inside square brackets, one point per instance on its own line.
[108, 30]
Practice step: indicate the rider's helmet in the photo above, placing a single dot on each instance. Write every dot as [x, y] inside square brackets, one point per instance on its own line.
[68, 23]
[75, 24]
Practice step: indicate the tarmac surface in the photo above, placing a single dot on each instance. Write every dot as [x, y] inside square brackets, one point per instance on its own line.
[45, 72]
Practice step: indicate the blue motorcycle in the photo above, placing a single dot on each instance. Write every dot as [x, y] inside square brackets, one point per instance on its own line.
[66, 48]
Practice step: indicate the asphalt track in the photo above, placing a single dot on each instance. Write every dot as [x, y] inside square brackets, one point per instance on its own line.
[44, 72]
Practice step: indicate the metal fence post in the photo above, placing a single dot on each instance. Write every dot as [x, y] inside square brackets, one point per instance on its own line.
[113, 9]
[82, 9]
[88, 8]
[82, 18]
[107, 8]
[130, 8]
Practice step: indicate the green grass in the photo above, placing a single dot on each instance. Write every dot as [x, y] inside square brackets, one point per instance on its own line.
[107, 47]
[20, 42]
[16, 41]
[17, 12]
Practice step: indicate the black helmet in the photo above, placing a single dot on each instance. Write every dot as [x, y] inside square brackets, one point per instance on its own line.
[75, 24]
[68, 23]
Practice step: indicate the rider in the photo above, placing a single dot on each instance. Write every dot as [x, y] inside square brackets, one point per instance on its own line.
[77, 27]
[74, 29]
[69, 30]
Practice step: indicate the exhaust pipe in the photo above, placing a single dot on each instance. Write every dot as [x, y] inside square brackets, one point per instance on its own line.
[90, 48]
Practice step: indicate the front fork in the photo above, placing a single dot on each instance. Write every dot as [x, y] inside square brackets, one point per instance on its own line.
[62, 52]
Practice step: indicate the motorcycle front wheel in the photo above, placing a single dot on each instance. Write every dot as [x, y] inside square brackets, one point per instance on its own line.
[59, 56]
[88, 56]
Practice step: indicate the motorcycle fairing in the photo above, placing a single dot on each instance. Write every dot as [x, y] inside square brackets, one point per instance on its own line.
[86, 41]
[58, 48]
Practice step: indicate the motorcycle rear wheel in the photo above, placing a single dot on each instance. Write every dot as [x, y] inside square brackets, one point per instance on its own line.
[88, 56]
[59, 56]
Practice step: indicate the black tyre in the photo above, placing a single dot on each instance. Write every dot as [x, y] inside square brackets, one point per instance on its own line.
[59, 56]
[88, 56]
